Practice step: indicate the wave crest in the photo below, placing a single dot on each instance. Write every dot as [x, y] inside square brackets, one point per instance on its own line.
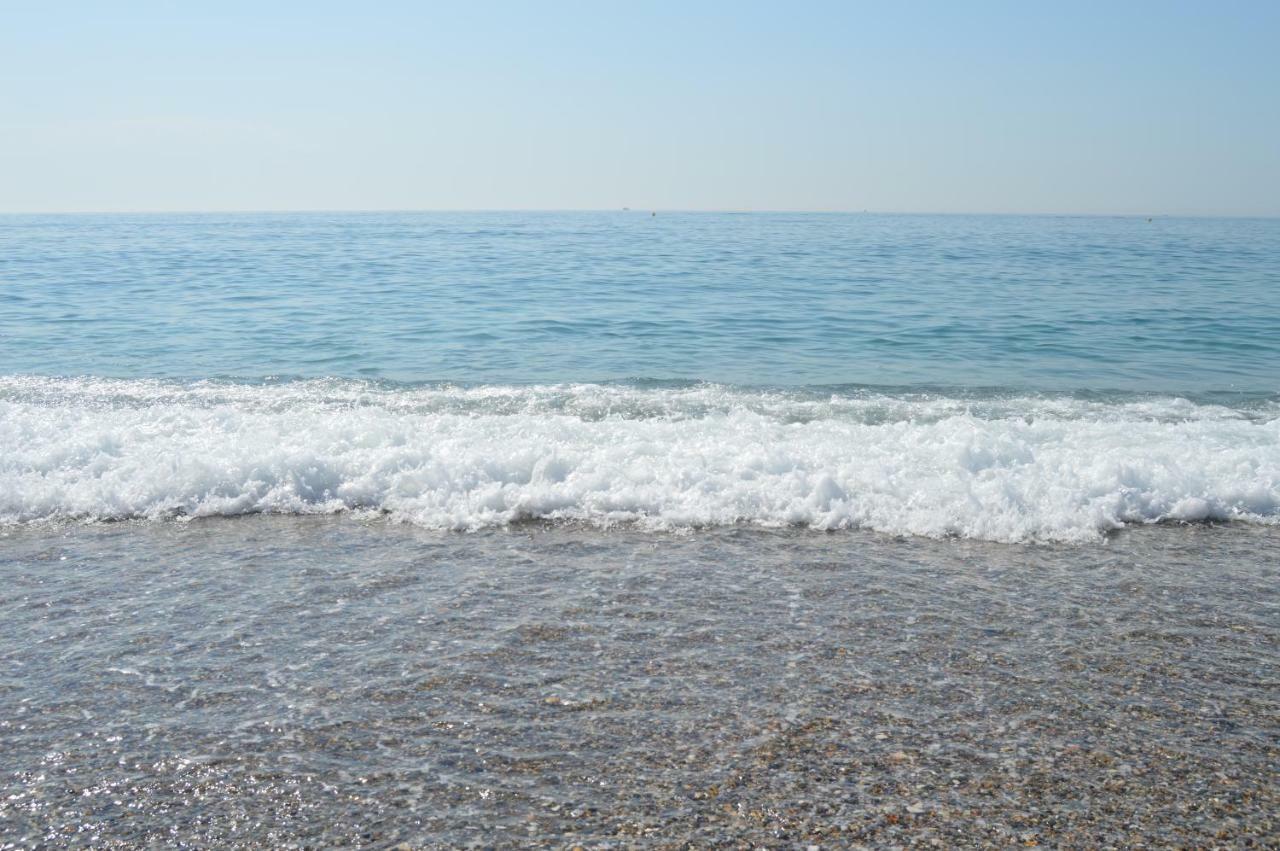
[1003, 468]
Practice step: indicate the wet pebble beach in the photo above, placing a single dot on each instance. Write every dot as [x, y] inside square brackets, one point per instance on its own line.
[294, 682]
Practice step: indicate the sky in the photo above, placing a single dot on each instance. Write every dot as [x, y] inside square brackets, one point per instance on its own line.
[1137, 108]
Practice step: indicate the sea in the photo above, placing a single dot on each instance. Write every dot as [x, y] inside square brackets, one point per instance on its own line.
[634, 528]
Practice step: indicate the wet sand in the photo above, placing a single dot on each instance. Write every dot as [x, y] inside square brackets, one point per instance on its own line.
[317, 682]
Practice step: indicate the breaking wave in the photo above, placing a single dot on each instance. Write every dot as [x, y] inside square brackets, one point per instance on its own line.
[1002, 468]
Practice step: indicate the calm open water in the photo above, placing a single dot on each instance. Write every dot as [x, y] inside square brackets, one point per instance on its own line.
[1038, 303]
[611, 529]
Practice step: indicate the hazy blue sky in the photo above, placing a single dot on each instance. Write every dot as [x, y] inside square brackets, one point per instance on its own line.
[1109, 107]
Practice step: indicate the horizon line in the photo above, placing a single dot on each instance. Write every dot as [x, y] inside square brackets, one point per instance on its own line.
[635, 210]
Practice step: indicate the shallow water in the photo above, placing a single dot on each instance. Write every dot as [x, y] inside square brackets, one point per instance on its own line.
[285, 681]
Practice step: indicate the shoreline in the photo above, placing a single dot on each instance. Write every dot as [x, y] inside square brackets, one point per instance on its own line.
[314, 681]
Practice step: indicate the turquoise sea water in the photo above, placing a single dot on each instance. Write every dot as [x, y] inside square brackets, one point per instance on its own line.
[1037, 303]
[1005, 378]
[536, 530]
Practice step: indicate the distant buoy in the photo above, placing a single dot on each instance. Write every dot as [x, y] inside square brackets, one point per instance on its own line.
[652, 214]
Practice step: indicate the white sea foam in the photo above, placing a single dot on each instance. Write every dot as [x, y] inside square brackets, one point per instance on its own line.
[1003, 469]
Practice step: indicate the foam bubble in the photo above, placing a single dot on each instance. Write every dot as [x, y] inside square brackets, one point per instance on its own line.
[1002, 469]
